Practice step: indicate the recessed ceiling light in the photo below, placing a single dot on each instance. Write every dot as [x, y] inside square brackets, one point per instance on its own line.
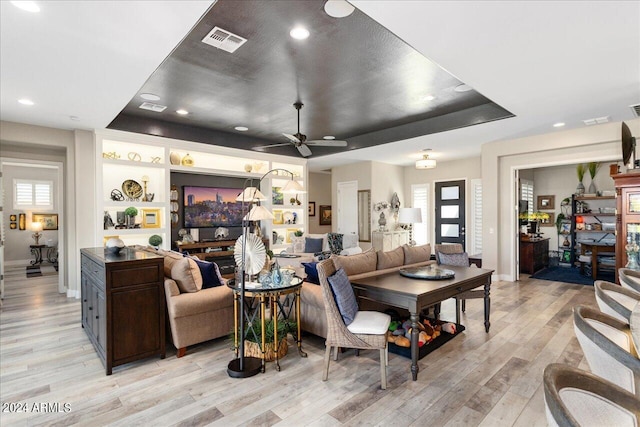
[338, 8]
[241, 128]
[150, 97]
[182, 112]
[74, 118]
[429, 98]
[329, 137]
[29, 6]
[558, 125]
[25, 101]
[299, 33]
[463, 88]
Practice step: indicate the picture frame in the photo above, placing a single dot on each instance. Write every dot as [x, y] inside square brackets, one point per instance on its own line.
[566, 256]
[551, 222]
[49, 221]
[13, 218]
[150, 218]
[546, 202]
[13, 226]
[325, 215]
[277, 198]
[565, 228]
[22, 221]
[312, 208]
[278, 217]
[291, 232]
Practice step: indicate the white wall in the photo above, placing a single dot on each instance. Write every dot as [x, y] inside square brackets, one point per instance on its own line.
[320, 193]
[385, 180]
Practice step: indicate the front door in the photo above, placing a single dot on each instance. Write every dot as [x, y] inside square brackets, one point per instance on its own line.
[450, 213]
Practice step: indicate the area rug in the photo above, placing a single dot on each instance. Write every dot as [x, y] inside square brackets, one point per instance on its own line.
[44, 270]
[570, 275]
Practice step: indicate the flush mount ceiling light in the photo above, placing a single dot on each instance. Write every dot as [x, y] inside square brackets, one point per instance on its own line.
[425, 162]
[299, 33]
[463, 88]
[241, 128]
[329, 137]
[25, 101]
[338, 8]
[182, 112]
[149, 97]
[29, 6]
[558, 125]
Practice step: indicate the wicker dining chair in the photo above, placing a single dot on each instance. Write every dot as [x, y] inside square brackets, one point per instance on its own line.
[615, 300]
[573, 397]
[352, 336]
[608, 347]
[629, 279]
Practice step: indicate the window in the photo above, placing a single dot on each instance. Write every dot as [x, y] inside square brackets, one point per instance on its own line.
[476, 219]
[420, 199]
[31, 194]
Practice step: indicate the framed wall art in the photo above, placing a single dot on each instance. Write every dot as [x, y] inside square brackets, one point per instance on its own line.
[312, 208]
[49, 221]
[551, 222]
[278, 218]
[546, 202]
[150, 218]
[325, 214]
[22, 221]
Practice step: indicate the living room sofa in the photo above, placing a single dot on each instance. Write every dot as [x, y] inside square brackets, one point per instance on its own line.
[195, 315]
[312, 312]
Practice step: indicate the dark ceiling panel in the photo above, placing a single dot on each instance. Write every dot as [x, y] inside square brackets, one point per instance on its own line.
[357, 81]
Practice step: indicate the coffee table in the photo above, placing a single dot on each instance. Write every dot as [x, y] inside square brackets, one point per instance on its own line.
[416, 294]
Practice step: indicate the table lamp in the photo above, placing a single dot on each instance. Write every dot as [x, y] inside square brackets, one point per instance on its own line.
[37, 227]
[408, 217]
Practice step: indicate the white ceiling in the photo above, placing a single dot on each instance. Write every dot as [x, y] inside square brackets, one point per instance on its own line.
[546, 62]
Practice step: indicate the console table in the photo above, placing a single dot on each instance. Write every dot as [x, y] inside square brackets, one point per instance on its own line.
[36, 251]
[388, 240]
[534, 255]
[218, 251]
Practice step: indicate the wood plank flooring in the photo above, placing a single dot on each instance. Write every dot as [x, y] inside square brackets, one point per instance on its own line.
[475, 379]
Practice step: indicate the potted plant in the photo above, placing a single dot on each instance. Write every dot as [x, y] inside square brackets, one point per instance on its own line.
[155, 241]
[253, 338]
[130, 214]
[580, 170]
[593, 168]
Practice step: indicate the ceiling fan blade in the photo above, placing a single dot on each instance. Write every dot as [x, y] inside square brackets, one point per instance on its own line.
[271, 146]
[327, 143]
[291, 137]
[304, 150]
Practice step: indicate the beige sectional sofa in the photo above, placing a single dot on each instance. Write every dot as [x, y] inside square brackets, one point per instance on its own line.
[195, 315]
[367, 264]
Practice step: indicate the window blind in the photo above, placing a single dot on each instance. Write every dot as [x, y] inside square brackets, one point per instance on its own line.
[31, 194]
[476, 220]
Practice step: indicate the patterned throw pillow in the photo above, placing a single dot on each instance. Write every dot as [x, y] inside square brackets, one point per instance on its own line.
[344, 296]
[321, 256]
[460, 260]
[312, 245]
[335, 242]
[298, 244]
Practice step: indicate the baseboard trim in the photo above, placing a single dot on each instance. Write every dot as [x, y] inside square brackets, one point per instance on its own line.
[71, 293]
[19, 262]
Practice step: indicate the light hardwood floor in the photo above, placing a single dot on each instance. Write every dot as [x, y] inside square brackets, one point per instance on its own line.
[483, 379]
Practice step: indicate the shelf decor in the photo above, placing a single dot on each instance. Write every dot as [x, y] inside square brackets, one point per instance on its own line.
[241, 366]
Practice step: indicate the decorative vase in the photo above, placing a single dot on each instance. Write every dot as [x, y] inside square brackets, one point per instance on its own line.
[187, 160]
[130, 221]
[566, 242]
[580, 189]
[382, 222]
[276, 274]
[592, 188]
[632, 261]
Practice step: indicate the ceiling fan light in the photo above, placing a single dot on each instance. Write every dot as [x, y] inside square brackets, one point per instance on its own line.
[425, 162]
[250, 195]
[293, 187]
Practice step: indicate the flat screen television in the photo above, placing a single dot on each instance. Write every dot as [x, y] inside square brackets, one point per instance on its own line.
[206, 207]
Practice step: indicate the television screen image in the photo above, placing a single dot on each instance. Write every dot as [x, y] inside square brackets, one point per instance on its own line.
[206, 207]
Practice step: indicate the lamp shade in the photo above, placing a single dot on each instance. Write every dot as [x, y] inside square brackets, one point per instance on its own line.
[250, 194]
[257, 213]
[409, 215]
[425, 163]
[36, 226]
[292, 187]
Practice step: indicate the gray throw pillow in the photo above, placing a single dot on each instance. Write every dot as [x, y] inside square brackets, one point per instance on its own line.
[460, 260]
[344, 296]
[312, 245]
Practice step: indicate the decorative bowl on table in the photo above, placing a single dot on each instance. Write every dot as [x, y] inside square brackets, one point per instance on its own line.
[114, 246]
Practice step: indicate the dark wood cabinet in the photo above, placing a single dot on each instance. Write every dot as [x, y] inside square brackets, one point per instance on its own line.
[627, 187]
[123, 304]
[534, 255]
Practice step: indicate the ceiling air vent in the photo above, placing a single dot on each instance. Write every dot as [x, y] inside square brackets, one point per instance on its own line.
[153, 107]
[636, 110]
[597, 121]
[223, 39]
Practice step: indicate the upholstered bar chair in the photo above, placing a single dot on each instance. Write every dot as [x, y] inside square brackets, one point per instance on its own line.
[608, 347]
[366, 330]
[573, 397]
[629, 279]
[459, 258]
[615, 300]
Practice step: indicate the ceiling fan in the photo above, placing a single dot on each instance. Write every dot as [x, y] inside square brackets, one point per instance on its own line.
[300, 141]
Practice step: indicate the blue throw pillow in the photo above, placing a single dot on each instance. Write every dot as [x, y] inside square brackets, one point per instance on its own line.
[210, 273]
[344, 295]
[312, 245]
[311, 269]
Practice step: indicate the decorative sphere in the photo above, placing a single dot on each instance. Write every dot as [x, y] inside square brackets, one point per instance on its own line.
[114, 246]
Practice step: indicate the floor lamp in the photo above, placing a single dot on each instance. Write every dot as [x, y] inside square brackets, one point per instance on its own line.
[408, 217]
[244, 367]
